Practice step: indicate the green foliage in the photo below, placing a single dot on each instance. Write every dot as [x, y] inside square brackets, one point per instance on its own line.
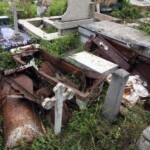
[58, 7]
[127, 12]
[3, 8]
[6, 61]
[145, 28]
[28, 8]
[61, 45]
[50, 29]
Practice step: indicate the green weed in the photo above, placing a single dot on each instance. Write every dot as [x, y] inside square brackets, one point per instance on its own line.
[58, 7]
[127, 12]
[145, 28]
[6, 61]
[61, 45]
[50, 29]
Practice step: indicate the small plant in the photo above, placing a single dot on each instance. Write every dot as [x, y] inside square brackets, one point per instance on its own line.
[145, 28]
[6, 61]
[61, 45]
[127, 12]
[50, 29]
[58, 7]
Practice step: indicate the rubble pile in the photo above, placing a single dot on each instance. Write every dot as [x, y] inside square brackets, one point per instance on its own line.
[29, 86]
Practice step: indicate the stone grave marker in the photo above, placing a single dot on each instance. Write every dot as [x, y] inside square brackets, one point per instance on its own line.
[115, 94]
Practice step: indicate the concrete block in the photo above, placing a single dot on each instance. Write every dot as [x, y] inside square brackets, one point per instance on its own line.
[114, 94]
[89, 61]
[72, 24]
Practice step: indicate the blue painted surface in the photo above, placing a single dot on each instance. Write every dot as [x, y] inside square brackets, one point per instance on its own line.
[7, 33]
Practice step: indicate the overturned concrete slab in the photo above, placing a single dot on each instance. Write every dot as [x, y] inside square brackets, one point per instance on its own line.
[118, 32]
[89, 61]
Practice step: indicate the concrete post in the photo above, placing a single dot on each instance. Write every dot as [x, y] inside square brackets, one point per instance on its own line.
[16, 34]
[114, 94]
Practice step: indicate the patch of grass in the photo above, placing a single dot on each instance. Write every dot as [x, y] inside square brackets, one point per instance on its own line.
[145, 28]
[6, 61]
[58, 7]
[127, 12]
[61, 45]
[28, 8]
[3, 8]
[50, 29]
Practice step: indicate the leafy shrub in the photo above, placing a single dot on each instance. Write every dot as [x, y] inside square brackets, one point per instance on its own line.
[127, 12]
[6, 60]
[58, 7]
[145, 28]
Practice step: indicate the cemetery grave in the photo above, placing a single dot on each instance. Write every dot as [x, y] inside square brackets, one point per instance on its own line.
[81, 83]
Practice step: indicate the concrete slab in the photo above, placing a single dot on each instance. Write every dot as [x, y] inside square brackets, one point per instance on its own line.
[120, 32]
[89, 61]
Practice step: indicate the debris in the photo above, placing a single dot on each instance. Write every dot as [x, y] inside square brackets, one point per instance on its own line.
[134, 90]
[127, 58]
[55, 85]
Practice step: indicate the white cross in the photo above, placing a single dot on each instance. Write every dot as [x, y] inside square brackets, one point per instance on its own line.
[61, 94]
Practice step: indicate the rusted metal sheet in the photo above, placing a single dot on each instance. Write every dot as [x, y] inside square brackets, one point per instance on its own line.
[127, 58]
[55, 70]
[36, 85]
[107, 51]
[20, 121]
